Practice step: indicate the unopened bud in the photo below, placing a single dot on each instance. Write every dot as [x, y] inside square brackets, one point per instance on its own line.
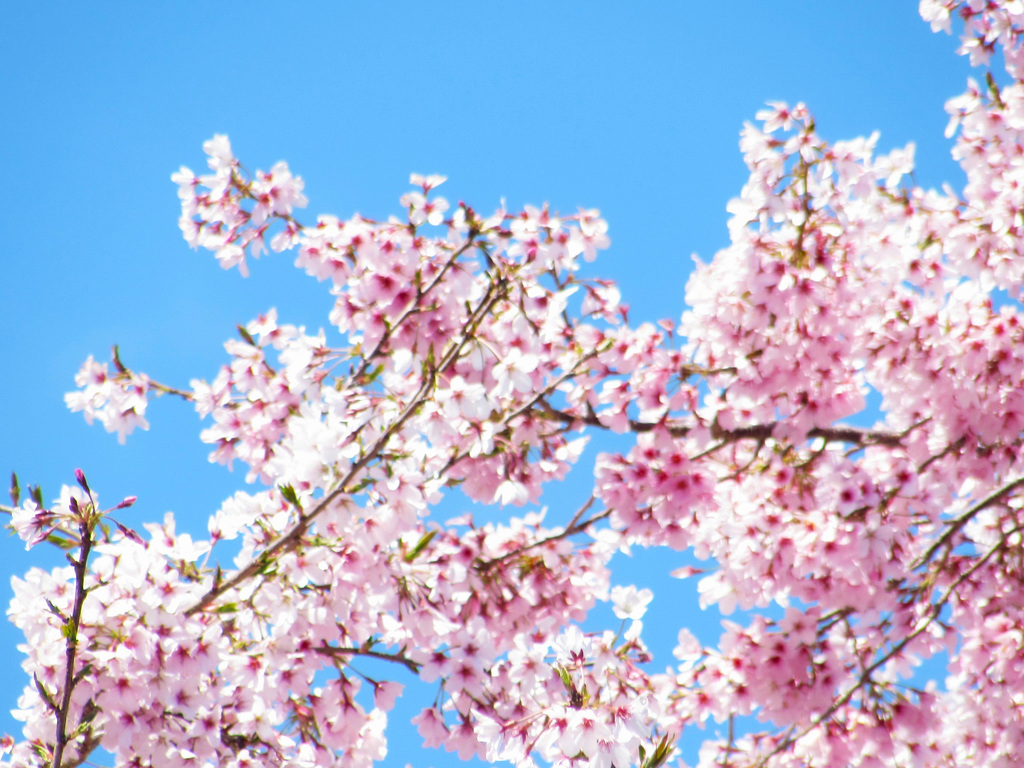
[129, 533]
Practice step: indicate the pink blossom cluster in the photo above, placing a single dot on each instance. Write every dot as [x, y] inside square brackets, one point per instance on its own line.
[233, 213]
[119, 401]
[467, 352]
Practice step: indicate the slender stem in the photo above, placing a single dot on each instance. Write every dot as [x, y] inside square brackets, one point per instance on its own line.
[412, 309]
[958, 523]
[760, 432]
[334, 652]
[165, 389]
[865, 677]
[71, 634]
[573, 528]
[291, 539]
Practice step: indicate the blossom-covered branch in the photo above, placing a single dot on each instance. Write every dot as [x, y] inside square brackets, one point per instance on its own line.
[467, 359]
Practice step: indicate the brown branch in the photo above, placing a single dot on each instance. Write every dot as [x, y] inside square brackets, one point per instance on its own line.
[346, 485]
[335, 652]
[164, 389]
[412, 309]
[951, 448]
[540, 396]
[955, 525]
[123, 370]
[865, 677]
[759, 432]
[72, 626]
[572, 529]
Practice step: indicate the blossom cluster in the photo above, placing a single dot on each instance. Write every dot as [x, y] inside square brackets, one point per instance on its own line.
[119, 401]
[466, 353]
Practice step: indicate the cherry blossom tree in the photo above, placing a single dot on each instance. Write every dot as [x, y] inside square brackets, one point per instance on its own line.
[467, 354]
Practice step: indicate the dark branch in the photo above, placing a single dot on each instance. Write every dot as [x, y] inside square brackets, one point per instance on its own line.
[335, 652]
[758, 432]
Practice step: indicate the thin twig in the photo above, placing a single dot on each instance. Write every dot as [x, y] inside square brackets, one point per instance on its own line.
[865, 677]
[334, 652]
[759, 432]
[573, 528]
[71, 634]
[413, 308]
[291, 539]
[958, 523]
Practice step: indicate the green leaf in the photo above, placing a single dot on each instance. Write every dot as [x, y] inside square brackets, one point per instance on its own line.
[361, 486]
[115, 354]
[566, 679]
[89, 712]
[659, 756]
[246, 335]
[289, 494]
[55, 610]
[43, 693]
[15, 490]
[61, 541]
[425, 539]
[42, 751]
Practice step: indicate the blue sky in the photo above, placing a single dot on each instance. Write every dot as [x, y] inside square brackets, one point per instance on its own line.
[632, 108]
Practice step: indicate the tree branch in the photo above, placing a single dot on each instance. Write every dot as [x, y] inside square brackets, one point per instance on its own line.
[71, 628]
[291, 539]
[865, 677]
[335, 652]
[759, 432]
[573, 528]
[955, 525]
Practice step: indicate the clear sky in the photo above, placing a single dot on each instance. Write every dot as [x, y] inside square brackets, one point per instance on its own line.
[632, 108]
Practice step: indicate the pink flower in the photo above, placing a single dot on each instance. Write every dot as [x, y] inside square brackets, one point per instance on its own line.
[385, 693]
[572, 648]
[630, 602]
[512, 372]
[118, 401]
[430, 724]
[854, 553]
